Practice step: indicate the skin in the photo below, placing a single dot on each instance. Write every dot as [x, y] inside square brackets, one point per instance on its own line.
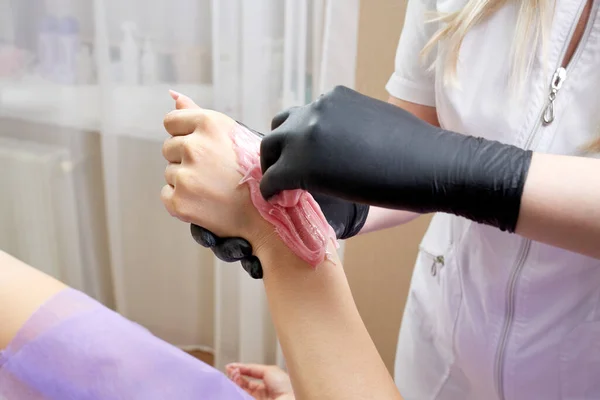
[561, 203]
[548, 215]
[378, 219]
[560, 200]
[316, 319]
[263, 382]
[313, 311]
[25, 289]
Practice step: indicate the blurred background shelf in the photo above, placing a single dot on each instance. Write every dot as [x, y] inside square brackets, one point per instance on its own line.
[134, 110]
[46, 103]
[83, 92]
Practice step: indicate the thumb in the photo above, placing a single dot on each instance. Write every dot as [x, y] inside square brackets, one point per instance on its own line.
[277, 175]
[280, 118]
[271, 148]
[182, 102]
[276, 180]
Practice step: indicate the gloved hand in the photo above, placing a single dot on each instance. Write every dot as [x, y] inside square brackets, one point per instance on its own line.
[364, 150]
[346, 218]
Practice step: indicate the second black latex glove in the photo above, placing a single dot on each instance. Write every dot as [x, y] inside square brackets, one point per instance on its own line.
[355, 147]
[346, 218]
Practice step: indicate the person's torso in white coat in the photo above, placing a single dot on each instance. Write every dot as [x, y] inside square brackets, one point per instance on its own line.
[491, 315]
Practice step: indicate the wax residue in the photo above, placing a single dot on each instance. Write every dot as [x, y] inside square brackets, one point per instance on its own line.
[295, 214]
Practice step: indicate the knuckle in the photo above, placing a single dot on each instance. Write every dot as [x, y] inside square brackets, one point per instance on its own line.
[170, 120]
[319, 103]
[200, 118]
[334, 94]
[184, 178]
[164, 194]
[180, 208]
[194, 119]
[167, 199]
[313, 128]
[339, 89]
[189, 147]
[165, 148]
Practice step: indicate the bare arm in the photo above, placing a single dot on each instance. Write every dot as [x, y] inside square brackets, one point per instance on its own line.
[23, 290]
[561, 203]
[329, 352]
[427, 114]
[383, 218]
[327, 347]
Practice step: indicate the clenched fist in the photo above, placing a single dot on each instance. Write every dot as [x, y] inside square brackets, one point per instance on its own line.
[202, 175]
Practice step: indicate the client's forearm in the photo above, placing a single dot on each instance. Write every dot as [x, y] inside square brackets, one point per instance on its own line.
[327, 347]
[383, 218]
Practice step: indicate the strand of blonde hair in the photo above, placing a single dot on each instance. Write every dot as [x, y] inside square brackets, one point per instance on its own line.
[534, 17]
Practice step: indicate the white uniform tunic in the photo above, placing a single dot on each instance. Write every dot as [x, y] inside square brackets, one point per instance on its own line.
[491, 315]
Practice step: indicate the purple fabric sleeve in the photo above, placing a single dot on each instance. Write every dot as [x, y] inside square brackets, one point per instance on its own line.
[75, 348]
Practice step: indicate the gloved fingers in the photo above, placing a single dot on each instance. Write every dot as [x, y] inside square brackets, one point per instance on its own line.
[276, 179]
[203, 237]
[225, 249]
[232, 249]
[336, 212]
[253, 267]
[282, 117]
[229, 250]
[270, 150]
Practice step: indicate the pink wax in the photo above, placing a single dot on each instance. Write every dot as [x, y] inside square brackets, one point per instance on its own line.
[295, 214]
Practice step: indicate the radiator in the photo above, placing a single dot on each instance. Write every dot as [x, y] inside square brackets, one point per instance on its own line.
[38, 209]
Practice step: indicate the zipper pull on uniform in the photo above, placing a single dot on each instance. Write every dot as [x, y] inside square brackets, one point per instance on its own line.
[557, 81]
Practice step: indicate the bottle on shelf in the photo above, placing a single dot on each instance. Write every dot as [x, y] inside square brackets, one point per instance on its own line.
[48, 47]
[149, 64]
[68, 49]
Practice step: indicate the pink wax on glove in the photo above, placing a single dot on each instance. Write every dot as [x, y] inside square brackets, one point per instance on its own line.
[295, 214]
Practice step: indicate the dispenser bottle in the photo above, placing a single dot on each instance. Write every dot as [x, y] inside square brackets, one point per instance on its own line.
[149, 64]
[48, 47]
[68, 48]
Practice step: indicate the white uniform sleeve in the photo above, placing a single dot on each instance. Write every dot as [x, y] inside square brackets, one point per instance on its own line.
[411, 80]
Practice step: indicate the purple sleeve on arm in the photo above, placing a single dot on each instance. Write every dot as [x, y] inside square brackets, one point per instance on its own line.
[75, 348]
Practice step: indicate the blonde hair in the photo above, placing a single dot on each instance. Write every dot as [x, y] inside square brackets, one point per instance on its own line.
[532, 22]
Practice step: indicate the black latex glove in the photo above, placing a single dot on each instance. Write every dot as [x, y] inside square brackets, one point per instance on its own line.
[364, 150]
[346, 218]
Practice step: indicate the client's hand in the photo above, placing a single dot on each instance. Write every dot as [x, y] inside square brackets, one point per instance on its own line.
[345, 217]
[202, 176]
[263, 382]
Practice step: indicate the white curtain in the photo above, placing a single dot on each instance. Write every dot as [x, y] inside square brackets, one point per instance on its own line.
[83, 90]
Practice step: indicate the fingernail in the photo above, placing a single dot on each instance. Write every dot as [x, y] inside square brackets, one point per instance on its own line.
[175, 95]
